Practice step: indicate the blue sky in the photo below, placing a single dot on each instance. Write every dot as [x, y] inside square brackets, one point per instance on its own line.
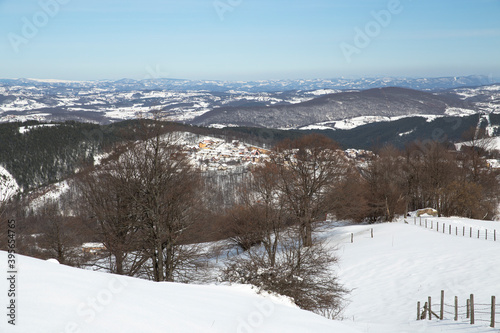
[248, 39]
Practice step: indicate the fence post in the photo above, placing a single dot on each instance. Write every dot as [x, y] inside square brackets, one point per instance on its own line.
[425, 223]
[456, 308]
[418, 310]
[420, 220]
[372, 232]
[432, 224]
[429, 306]
[464, 232]
[437, 226]
[444, 227]
[450, 229]
[478, 233]
[470, 232]
[493, 299]
[472, 309]
[352, 237]
[456, 231]
[495, 235]
[441, 310]
[486, 237]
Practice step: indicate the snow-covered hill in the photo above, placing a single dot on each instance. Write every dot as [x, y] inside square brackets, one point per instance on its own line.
[388, 274]
[54, 298]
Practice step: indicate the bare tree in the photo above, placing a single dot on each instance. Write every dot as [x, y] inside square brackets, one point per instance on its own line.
[146, 201]
[386, 185]
[308, 168]
[108, 197]
[305, 274]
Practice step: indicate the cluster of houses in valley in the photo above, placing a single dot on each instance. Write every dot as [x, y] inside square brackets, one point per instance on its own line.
[359, 155]
[217, 154]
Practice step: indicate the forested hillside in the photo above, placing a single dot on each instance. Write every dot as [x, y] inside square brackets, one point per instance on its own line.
[38, 155]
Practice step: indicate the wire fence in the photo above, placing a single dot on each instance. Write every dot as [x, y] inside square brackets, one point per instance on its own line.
[471, 312]
[453, 229]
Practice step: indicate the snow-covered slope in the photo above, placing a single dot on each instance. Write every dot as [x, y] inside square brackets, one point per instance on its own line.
[406, 263]
[55, 298]
[388, 274]
[8, 185]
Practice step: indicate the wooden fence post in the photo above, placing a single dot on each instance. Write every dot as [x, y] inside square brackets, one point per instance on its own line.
[450, 229]
[352, 237]
[495, 235]
[444, 227]
[429, 306]
[441, 310]
[372, 232]
[456, 308]
[472, 309]
[418, 310]
[493, 299]
[470, 232]
[456, 231]
[437, 226]
[486, 237]
[464, 232]
[478, 233]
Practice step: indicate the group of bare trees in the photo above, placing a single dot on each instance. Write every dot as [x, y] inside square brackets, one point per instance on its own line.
[144, 201]
[455, 182]
[279, 208]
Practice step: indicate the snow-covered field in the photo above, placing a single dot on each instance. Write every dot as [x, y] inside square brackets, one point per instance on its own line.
[388, 274]
[406, 263]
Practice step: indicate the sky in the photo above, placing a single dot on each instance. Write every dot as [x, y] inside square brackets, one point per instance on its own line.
[248, 39]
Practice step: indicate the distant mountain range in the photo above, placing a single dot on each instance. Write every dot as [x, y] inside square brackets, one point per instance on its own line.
[441, 83]
[291, 104]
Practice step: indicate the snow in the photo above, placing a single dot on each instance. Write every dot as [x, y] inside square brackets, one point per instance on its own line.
[8, 185]
[491, 143]
[406, 263]
[459, 112]
[57, 298]
[25, 129]
[388, 274]
[51, 193]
